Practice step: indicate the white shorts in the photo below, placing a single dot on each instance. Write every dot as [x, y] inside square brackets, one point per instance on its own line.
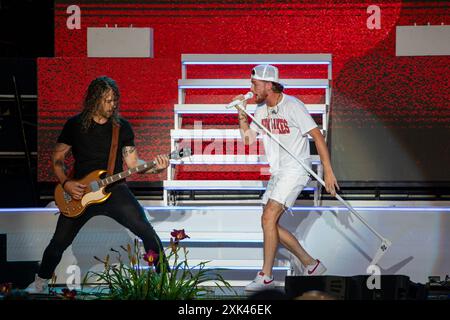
[285, 187]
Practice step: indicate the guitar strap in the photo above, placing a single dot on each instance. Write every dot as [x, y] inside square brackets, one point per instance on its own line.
[113, 150]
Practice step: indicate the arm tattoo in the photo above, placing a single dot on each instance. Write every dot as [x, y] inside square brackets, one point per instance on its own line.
[62, 147]
[243, 120]
[127, 151]
[61, 151]
[58, 163]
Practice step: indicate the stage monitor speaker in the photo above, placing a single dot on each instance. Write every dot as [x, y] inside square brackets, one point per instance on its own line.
[392, 287]
[20, 273]
[336, 286]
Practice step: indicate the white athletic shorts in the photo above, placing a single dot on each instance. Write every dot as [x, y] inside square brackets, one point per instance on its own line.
[285, 187]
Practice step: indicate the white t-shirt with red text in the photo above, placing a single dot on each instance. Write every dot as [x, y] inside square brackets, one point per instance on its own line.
[289, 122]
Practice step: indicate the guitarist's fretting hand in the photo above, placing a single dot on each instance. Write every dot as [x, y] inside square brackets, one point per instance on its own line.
[162, 162]
[75, 189]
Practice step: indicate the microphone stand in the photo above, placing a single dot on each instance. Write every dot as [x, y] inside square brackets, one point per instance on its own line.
[385, 243]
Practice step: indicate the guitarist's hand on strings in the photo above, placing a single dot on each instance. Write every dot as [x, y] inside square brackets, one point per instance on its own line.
[75, 189]
[161, 162]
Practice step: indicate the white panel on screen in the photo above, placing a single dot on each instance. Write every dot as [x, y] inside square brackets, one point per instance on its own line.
[422, 40]
[120, 42]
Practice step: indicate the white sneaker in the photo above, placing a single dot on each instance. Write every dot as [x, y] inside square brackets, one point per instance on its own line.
[261, 282]
[39, 286]
[315, 269]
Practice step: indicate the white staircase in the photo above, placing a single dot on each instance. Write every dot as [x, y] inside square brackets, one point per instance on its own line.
[180, 134]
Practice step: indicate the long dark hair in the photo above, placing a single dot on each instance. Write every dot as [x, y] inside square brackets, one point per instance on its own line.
[97, 88]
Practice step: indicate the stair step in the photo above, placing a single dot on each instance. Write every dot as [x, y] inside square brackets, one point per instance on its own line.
[222, 185]
[236, 59]
[229, 159]
[179, 134]
[221, 108]
[246, 83]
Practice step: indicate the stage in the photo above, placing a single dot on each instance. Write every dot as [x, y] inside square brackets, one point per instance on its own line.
[230, 237]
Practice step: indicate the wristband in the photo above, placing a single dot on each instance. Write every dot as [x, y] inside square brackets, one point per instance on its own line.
[65, 181]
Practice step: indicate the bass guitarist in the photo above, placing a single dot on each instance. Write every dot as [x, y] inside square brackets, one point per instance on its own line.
[88, 136]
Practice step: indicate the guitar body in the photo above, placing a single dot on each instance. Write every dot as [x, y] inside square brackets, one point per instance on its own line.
[73, 208]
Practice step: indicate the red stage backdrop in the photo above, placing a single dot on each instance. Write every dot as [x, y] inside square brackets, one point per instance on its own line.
[390, 115]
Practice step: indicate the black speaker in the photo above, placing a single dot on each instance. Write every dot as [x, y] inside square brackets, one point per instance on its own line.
[337, 286]
[20, 273]
[391, 287]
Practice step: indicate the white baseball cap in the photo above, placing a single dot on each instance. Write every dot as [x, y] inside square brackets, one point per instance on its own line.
[265, 72]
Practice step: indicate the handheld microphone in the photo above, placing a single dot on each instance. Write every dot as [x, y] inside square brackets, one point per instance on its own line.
[247, 96]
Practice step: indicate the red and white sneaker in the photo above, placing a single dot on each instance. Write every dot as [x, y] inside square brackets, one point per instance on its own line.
[261, 282]
[315, 269]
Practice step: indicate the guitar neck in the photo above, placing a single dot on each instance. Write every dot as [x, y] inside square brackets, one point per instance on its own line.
[122, 175]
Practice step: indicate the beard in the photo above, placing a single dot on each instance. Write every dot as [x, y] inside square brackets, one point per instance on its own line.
[106, 113]
[259, 99]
